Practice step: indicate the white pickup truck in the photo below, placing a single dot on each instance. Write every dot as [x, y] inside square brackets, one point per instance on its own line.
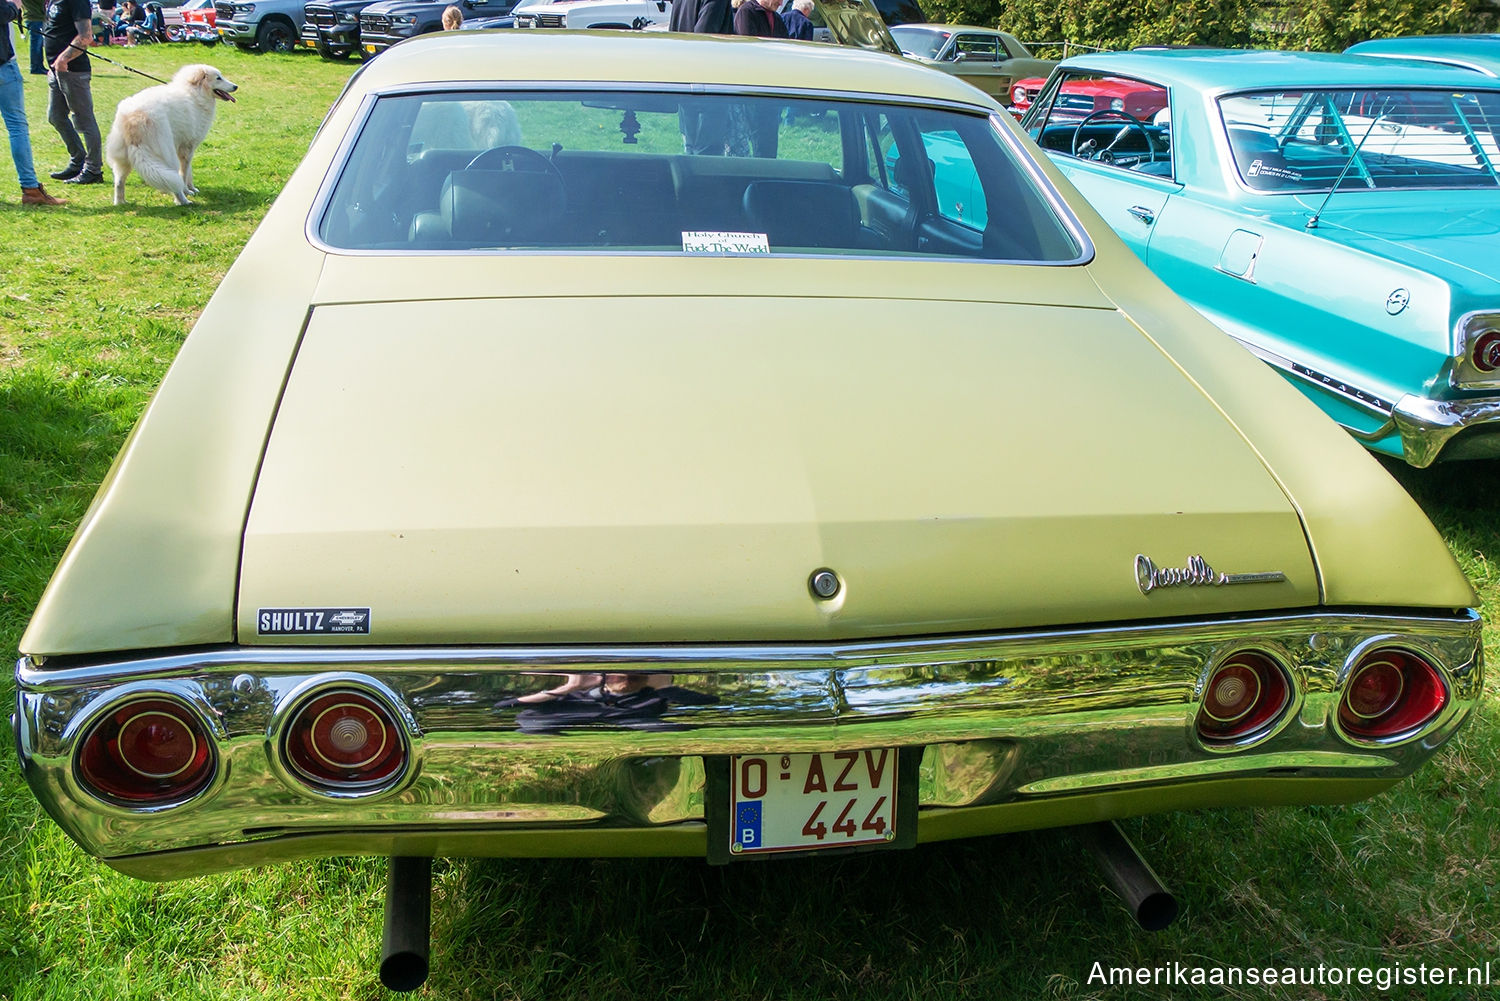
[628, 14]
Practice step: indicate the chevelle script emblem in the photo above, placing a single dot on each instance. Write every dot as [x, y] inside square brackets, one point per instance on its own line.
[1197, 573]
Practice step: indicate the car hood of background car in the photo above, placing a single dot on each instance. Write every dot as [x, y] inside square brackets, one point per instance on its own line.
[675, 467]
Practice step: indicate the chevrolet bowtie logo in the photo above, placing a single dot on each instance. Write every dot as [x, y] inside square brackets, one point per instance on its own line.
[1150, 577]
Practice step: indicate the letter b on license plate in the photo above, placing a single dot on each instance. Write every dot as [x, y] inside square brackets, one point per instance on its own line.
[809, 802]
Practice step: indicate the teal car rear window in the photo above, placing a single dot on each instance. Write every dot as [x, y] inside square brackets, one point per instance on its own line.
[1316, 140]
[688, 174]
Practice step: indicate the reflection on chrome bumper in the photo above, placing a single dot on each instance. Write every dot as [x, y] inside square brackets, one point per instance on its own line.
[1033, 728]
[1427, 426]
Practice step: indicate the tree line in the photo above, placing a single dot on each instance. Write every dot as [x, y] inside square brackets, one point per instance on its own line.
[1328, 25]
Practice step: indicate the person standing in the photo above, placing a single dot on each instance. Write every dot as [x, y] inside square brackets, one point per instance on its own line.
[67, 33]
[453, 18]
[758, 18]
[704, 122]
[798, 24]
[702, 17]
[36, 11]
[13, 110]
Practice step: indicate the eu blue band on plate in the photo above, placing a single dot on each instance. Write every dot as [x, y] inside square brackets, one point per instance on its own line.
[747, 825]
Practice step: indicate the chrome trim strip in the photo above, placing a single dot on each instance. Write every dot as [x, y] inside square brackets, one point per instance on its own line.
[715, 657]
[1424, 425]
[1366, 401]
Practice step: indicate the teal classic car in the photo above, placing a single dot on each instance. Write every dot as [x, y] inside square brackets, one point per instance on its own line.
[1338, 215]
[1480, 53]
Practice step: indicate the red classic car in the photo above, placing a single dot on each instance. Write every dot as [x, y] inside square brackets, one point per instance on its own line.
[198, 13]
[1084, 97]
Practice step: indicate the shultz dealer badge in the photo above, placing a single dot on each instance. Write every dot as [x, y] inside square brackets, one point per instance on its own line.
[311, 621]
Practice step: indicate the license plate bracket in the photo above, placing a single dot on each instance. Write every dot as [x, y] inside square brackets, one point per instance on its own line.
[723, 847]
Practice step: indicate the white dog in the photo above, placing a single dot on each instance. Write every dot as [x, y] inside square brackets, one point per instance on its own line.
[157, 131]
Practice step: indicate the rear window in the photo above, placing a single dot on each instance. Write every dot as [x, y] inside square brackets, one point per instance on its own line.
[1314, 140]
[687, 174]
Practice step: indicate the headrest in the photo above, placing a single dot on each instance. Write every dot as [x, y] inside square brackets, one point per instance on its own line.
[502, 207]
[803, 213]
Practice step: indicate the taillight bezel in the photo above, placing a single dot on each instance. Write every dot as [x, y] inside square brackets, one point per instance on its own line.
[1363, 659]
[287, 715]
[1470, 330]
[181, 697]
[1265, 725]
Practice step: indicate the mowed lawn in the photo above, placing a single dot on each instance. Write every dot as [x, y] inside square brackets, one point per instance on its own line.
[94, 302]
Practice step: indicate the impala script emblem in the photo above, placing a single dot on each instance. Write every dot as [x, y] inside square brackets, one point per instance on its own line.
[1197, 573]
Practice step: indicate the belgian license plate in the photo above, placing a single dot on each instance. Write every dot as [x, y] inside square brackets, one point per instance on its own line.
[803, 802]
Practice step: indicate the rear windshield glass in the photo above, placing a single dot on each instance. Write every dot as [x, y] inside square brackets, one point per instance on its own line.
[687, 174]
[1314, 140]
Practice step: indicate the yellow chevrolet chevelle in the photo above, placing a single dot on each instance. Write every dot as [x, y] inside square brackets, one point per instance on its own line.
[634, 445]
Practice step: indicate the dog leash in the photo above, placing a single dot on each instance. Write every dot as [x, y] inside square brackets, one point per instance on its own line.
[95, 55]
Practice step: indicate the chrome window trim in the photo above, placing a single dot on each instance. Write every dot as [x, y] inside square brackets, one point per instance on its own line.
[1045, 188]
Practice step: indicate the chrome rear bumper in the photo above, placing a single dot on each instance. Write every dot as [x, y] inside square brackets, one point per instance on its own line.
[1022, 730]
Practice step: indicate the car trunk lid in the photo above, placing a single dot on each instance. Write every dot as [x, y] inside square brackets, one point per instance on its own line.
[655, 468]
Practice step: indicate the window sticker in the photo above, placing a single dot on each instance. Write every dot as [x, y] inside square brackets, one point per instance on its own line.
[712, 242]
[1259, 168]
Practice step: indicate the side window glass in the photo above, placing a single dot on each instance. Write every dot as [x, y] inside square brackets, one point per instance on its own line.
[1111, 120]
[960, 196]
[884, 154]
[975, 49]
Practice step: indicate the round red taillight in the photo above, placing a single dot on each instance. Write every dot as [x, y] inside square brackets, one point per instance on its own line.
[1243, 697]
[1391, 693]
[345, 740]
[147, 752]
[1486, 353]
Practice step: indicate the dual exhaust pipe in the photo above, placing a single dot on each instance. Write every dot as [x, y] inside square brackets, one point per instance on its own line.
[406, 939]
[1150, 903]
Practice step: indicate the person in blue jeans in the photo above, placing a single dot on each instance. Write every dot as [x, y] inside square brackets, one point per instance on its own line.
[36, 13]
[13, 110]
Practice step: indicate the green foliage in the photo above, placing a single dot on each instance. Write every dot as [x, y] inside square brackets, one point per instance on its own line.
[1121, 24]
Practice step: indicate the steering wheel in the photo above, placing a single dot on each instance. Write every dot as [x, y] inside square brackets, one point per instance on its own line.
[1107, 153]
[521, 159]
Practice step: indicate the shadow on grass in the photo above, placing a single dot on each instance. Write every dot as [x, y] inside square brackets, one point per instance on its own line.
[938, 921]
[148, 203]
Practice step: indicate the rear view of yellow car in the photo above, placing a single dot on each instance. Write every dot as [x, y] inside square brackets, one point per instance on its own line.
[712, 448]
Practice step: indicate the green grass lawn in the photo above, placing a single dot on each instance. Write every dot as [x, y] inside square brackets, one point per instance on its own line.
[94, 302]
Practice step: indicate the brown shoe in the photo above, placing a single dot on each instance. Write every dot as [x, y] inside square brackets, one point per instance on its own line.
[38, 196]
